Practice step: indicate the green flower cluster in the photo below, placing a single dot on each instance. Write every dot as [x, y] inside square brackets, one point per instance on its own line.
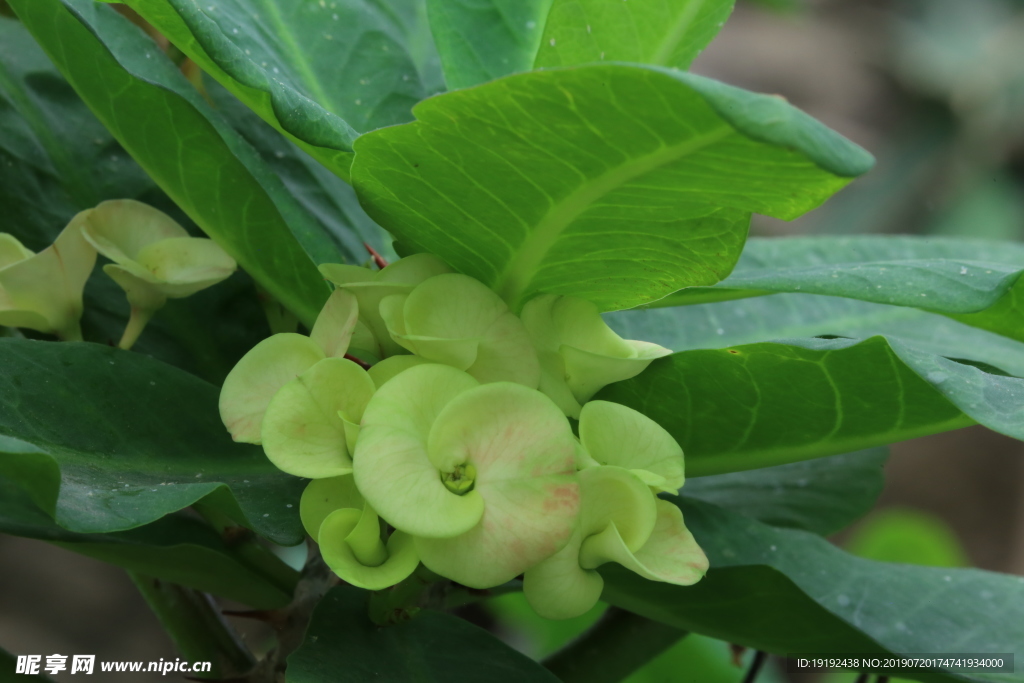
[455, 449]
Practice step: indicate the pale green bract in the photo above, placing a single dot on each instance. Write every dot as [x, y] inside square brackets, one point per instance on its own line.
[43, 291]
[460, 454]
[154, 258]
[578, 352]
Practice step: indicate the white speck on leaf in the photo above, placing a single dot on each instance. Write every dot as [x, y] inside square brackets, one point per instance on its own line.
[963, 270]
[719, 331]
[531, 25]
[551, 42]
[843, 600]
[266, 514]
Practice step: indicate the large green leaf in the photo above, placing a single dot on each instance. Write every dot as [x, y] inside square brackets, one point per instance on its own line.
[107, 440]
[174, 548]
[787, 591]
[785, 316]
[165, 124]
[480, 40]
[975, 281]
[615, 183]
[822, 495]
[660, 32]
[343, 646]
[319, 72]
[766, 404]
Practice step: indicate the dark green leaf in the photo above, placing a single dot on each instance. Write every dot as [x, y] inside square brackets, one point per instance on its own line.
[317, 71]
[822, 495]
[709, 326]
[789, 591]
[343, 646]
[615, 183]
[769, 404]
[107, 440]
[205, 166]
[480, 41]
[660, 32]
[56, 159]
[173, 548]
[974, 281]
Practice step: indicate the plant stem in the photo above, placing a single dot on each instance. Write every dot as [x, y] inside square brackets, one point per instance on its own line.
[401, 602]
[195, 625]
[755, 667]
[617, 645]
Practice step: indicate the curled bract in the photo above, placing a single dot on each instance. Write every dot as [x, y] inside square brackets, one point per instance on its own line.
[456, 320]
[281, 359]
[43, 291]
[483, 476]
[154, 258]
[350, 535]
[372, 340]
[578, 352]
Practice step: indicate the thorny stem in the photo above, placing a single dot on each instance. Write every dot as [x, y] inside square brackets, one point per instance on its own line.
[617, 645]
[192, 620]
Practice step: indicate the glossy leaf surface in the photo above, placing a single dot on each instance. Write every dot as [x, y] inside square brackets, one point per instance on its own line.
[318, 72]
[165, 124]
[174, 548]
[551, 181]
[106, 440]
[659, 32]
[822, 495]
[343, 646]
[974, 281]
[789, 591]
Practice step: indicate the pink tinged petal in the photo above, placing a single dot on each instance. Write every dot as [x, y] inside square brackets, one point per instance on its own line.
[321, 497]
[303, 429]
[401, 559]
[391, 466]
[524, 521]
[336, 324]
[616, 435]
[670, 555]
[558, 588]
[523, 451]
[259, 375]
[44, 291]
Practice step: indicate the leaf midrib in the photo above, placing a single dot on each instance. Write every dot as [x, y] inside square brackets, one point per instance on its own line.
[675, 36]
[524, 265]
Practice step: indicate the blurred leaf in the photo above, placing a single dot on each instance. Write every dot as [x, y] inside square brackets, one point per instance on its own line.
[659, 32]
[992, 208]
[534, 635]
[768, 404]
[106, 440]
[217, 179]
[788, 591]
[613, 183]
[173, 548]
[480, 40]
[317, 72]
[977, 282]
[907, 536]
[822, 495]
[343, 646]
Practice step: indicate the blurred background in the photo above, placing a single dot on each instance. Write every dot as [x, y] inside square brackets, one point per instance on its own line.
[935, 89]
